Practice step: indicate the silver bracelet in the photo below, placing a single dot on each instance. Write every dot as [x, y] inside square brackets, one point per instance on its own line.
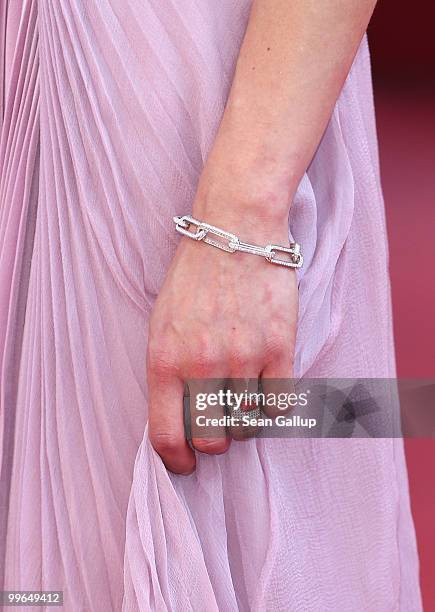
[231, 243]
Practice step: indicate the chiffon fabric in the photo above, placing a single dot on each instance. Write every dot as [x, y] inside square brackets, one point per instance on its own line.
[108, 111]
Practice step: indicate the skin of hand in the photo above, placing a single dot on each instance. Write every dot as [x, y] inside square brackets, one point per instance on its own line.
[217, 316]
[234, 316]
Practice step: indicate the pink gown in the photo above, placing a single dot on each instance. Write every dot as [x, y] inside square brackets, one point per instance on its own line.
[108, 110]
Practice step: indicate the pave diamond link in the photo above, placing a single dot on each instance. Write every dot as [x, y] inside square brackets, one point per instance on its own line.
[231, 242]
[239, 413]
[295, 260]
[182, 225]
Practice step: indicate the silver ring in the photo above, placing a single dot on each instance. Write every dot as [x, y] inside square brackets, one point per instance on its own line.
[238, 413]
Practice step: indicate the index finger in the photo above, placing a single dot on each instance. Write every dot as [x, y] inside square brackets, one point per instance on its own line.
[166, 423]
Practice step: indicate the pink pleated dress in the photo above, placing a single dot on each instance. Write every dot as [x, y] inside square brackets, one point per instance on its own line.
[108, 111]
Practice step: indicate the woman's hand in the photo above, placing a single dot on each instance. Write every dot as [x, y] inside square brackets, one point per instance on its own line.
[218, 315]
[221, 315]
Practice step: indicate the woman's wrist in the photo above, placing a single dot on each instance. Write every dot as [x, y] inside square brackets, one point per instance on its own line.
[252, 207]
[249, 220]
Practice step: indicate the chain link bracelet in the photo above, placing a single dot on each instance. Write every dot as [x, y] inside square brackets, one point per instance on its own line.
[229, 242]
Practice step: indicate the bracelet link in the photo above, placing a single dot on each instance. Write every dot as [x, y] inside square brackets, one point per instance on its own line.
[231, 243]
[182, 225]
[295, 259]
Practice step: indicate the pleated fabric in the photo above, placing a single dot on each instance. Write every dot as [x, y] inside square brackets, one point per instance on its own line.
[109, 109]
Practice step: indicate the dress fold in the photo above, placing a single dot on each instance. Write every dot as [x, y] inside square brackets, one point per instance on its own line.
[109, 110]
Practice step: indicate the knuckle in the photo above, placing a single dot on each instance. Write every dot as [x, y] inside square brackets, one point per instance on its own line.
[203, 362]
[159, 358]
[277, 347]
[165, 443]
[241, 356]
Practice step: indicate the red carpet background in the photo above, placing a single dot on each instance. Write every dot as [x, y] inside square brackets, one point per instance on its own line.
[403, 56]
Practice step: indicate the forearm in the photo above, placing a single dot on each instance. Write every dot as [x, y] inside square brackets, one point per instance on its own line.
[292, 64]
